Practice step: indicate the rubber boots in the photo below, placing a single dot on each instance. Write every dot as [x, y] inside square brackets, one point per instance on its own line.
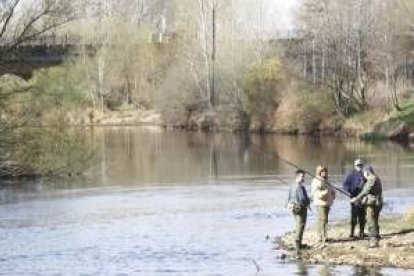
[297, 248]
[361, 231]
[351, 233]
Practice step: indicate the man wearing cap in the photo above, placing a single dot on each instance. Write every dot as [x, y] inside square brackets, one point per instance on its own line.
[371, 198]
[353, 185]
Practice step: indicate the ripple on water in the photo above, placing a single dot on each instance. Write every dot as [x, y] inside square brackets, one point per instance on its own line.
[162, 232]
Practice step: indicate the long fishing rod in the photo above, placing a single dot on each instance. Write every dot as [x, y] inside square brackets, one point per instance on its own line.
[272, 176]
[312, 175]
[281, 180]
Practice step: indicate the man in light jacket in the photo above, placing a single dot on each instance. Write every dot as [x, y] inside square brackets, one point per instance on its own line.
[323, 198]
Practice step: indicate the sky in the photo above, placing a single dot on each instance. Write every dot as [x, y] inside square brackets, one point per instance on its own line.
[284, 10]
[278, 16]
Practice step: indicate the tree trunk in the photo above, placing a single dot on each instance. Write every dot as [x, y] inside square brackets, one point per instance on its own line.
[204, 36]
[305, 60]
[313, 62]
[101, 66]
[213, 58]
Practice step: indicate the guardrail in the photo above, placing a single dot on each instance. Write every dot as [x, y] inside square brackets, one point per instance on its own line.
[43, 40]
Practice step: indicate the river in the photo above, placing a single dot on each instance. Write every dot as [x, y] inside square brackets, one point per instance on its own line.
[173, 203]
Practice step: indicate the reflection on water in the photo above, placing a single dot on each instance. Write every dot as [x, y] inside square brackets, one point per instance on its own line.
[132, 156]
[302, 269]
[368, 271]
[180, 203]
[325, 270]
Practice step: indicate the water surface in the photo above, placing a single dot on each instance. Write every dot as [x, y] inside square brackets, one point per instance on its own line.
[158, 203]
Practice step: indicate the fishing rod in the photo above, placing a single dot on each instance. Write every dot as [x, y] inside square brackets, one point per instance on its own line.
[311, 174]
[254, 177]
[281, 180]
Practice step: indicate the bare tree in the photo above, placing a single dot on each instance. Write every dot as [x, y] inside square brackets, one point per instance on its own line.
[342, 34]
[22, 21]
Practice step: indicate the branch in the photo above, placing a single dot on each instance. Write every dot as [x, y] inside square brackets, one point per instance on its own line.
[14, 92]
[29, 24]
[345, 94]
[8, 17]
[52, 10]
[48, 28]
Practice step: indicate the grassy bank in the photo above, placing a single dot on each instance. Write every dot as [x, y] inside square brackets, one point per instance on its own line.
[396, 247]
[268, 100]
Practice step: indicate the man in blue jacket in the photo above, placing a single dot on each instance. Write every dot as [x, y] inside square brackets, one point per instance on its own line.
[353, 184]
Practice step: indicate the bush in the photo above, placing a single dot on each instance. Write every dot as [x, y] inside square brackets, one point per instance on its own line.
[304, 110]
[59, 87]
[34, 150]
[263, 86]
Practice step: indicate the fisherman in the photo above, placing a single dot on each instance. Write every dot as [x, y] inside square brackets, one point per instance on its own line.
[298, 203]
[353, 185]
[371, 198]
[323, 198]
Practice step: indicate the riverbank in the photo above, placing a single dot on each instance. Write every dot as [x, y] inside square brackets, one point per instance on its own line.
[296, 114]
[396, 248]
[373, 125]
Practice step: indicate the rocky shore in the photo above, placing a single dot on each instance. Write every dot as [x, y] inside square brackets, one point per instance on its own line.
[230, 121]
[396, 248]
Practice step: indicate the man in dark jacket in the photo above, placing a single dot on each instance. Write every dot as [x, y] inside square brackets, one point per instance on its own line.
[353, 185]
[298, 203]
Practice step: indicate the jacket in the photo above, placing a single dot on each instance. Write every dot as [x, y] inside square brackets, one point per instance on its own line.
[372, 189]
[323, 194]
[353, 183]
[298, 195]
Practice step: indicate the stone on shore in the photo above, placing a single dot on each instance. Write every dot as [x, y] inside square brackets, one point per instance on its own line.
[396, 247]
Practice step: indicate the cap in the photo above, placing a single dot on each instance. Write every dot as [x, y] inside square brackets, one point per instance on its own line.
[358, 162]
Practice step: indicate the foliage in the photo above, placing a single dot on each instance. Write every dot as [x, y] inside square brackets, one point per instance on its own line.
[350, 46]
[406, 112]
[54, 150]
[27, 147]
[22, 21]
[263, 85]
[59, 87]
[351, 57]
[304, 109]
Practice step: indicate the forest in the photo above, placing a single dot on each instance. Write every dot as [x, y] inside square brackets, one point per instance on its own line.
[339, 68]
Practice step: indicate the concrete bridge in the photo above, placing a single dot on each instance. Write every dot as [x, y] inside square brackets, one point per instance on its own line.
[39, 52]
[49, 50]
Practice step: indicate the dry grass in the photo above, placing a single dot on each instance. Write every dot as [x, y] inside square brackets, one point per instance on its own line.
[364, 122]
[304, 110]
[409, 216]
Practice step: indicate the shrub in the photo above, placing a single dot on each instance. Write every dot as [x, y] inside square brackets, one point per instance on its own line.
[303, 110]
[60, 86]
[263, 86]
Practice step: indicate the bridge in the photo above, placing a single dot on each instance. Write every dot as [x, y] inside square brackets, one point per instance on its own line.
[39, 52]
[49, 50]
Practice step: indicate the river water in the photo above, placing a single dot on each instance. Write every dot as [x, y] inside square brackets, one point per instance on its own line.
[175, 203]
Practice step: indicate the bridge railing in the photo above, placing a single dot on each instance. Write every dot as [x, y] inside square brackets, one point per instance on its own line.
[43, 40]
